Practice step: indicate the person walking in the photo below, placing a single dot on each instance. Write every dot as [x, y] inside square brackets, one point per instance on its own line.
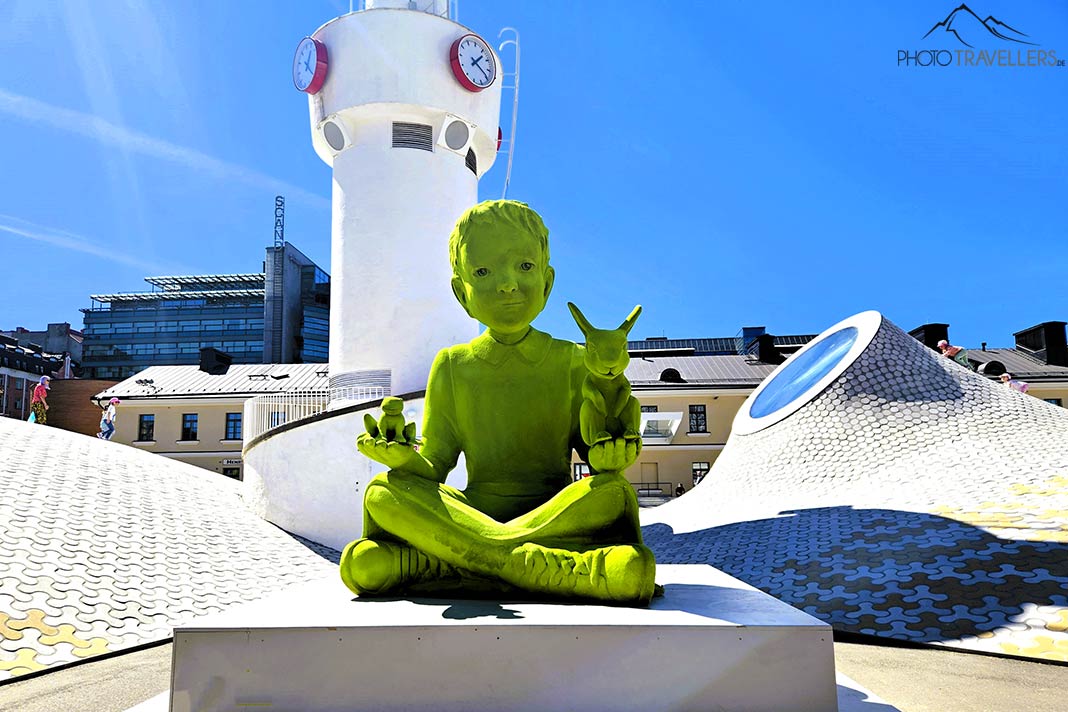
[39, 401]
[107, 420]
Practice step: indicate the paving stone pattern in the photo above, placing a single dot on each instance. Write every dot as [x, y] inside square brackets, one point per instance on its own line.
[912, 499]
[104, 547]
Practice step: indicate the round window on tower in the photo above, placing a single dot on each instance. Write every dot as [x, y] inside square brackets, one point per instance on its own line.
[335, 137]
[456, 135]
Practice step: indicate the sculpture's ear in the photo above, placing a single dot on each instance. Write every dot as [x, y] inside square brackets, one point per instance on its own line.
[550, 278]
[628, 323]
[580, 319]
[460, 293]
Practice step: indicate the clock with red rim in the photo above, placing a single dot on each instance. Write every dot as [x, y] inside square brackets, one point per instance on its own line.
[472, 63]
[309, 65]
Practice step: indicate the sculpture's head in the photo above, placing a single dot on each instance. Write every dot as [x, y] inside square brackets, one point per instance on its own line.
[501, 276]
[392, 405]
[606, 349]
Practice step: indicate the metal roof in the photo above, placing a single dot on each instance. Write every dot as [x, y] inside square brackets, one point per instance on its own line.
[729, 371]
[1020, 365]
[176, 282]
[175, 295]
[44, 355]
[239, 380]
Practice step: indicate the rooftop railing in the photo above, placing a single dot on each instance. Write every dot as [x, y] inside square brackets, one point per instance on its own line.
[273, 410]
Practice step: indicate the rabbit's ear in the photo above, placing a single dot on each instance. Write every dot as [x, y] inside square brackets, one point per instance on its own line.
[628, 323]
[581, 320]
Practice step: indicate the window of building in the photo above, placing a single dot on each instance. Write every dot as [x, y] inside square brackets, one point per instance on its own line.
[581, 470]
[233, 426]
[234, 472]
[1054, 401]
[699, 469]
[276, 418]
[189, 426]
[649, 409]
[146, 427]
[698, 420]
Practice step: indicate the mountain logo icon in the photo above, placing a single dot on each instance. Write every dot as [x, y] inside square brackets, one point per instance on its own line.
[966, 26]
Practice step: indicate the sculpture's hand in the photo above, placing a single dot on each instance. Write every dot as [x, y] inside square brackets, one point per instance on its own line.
[614, 455]
[393, 455]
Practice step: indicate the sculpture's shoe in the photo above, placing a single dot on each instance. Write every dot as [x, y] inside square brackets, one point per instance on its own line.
[622, 574]
[375, 568]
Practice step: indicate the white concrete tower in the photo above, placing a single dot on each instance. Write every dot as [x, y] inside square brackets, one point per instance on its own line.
[404, 105]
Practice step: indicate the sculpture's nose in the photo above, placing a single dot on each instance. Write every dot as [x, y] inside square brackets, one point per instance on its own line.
[507, 283]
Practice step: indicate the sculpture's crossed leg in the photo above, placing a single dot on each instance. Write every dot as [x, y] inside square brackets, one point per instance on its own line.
[419, 532]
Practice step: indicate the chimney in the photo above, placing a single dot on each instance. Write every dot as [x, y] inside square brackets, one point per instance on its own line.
[930, 334]
[214, 361]
[766, 350]
[1045, 341]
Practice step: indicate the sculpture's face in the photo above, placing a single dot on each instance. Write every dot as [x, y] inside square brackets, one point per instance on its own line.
[504, 280]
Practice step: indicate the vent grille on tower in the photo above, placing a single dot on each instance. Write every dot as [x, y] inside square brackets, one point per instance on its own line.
[418, 136]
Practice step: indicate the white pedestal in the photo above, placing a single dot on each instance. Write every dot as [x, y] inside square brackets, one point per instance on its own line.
[710, 643]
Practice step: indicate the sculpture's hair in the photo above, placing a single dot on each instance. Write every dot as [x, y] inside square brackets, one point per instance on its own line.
[504, 217]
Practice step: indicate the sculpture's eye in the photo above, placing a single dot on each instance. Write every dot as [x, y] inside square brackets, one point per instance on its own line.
[481, 272]
[527, 266]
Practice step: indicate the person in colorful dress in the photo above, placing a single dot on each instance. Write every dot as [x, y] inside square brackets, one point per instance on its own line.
[39, 401]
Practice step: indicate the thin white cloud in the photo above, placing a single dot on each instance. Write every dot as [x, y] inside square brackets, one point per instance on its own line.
[75, 243]
[119, 164]
[32, 110]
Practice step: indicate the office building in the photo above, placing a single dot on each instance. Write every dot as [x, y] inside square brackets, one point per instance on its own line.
[278, 316]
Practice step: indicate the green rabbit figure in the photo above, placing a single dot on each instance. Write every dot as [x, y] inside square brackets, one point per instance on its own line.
[608, 408]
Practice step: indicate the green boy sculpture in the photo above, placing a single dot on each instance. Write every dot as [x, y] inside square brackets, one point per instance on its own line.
[509, 400]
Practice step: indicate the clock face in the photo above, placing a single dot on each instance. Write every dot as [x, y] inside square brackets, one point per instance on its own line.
[309, 65]
[473, 63]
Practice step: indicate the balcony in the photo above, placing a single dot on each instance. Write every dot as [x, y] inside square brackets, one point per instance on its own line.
[659, 428]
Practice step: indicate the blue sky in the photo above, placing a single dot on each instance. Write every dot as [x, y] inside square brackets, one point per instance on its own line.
[723, 164]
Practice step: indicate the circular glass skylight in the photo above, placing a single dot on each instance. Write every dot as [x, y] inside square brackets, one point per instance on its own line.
[807, 373]
[803, 372]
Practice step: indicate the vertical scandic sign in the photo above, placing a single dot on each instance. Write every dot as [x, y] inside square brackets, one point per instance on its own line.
[279, 220]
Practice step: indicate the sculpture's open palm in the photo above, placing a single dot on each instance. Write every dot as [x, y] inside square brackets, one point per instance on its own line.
[614, 455]
[392, 454]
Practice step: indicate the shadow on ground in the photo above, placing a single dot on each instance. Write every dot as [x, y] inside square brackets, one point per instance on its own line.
[904, 575]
